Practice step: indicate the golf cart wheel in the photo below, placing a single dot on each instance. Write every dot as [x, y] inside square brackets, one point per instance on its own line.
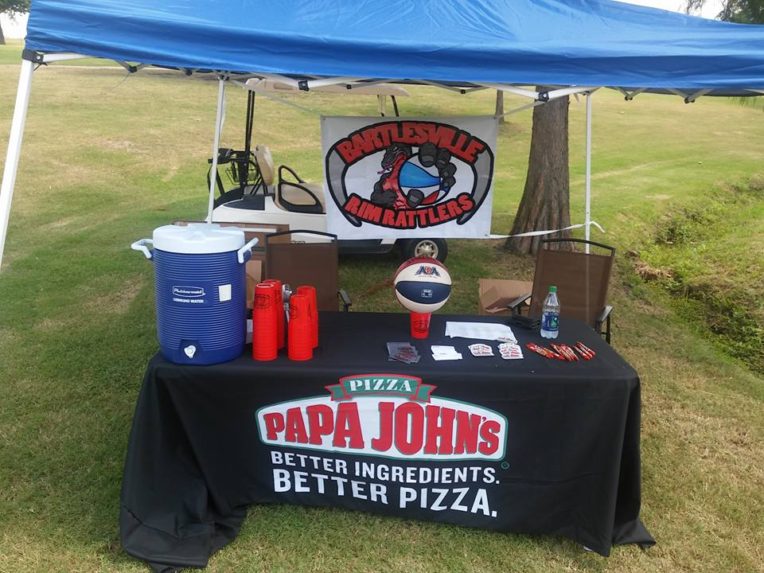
[434, 248]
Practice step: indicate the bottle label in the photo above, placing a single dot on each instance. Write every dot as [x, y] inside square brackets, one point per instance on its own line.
[550, 321]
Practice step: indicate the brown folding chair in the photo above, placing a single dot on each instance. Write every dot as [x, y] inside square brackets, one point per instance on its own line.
[582, 282]
[307, 263]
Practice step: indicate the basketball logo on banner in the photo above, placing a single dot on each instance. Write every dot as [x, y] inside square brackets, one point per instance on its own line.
[409, 177]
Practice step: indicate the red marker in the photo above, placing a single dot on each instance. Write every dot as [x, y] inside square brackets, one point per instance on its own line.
[545, 352]
[566, 351]
[586, 352]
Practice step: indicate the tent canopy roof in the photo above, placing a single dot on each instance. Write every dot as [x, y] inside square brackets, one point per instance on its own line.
[523, 42]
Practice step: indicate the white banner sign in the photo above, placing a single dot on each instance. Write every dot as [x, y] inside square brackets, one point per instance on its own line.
[409, 177]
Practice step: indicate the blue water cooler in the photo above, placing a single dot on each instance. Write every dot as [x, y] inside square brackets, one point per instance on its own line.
[200, 286]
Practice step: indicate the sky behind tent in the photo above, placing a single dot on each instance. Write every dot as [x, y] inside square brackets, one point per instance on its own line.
[17, 27]
[710, 9]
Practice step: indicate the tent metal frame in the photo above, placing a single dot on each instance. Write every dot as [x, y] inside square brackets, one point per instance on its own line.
[32, 59]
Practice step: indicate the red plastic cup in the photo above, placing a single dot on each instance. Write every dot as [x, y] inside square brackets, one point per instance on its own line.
[420, 324]
[310, 292]
[265, 323]
[280, 317]
[300, 340]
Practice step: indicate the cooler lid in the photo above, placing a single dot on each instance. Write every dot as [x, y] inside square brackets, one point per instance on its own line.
[198, 238]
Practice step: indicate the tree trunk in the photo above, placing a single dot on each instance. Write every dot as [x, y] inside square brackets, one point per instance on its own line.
[2, 37]
[546, 197]
[500, 105]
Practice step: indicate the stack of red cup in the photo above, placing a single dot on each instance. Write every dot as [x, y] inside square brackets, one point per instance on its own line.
[310, 292]
[265, 322]
[280, 318]
[300, 340]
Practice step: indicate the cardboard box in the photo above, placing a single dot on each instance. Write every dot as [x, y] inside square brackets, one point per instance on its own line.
[495, 294]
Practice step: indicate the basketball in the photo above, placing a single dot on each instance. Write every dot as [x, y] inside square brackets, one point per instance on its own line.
[422, 284]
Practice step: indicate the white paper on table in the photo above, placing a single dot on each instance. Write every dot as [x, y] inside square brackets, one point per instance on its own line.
[445, 353]
[439, 357]
[480, 331]
[436, 349]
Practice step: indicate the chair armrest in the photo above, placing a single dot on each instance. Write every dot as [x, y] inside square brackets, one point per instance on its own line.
[515, 305]
[345, 298]
[604, 315]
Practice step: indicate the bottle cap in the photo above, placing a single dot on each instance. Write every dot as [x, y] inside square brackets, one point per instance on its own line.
[552, 288]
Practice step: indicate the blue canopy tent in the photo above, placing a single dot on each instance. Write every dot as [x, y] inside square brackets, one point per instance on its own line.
[573, 46]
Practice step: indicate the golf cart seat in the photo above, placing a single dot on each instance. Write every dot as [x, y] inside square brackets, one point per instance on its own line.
[293, 194]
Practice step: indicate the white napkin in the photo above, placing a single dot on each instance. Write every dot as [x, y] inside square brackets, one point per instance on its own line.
[480, 331]
[445, 353]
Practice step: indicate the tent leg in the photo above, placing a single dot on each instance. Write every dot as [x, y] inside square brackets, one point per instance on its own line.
[588, 214]
[216, 144]
[14, 149]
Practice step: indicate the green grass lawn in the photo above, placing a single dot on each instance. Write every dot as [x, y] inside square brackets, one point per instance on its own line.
[108, 157]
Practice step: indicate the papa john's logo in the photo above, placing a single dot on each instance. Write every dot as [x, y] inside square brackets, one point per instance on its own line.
[389, 415]
[429, 173]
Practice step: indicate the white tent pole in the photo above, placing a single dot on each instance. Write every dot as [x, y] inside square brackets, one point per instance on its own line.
[588, 215]
[14, 149]
[215, 146]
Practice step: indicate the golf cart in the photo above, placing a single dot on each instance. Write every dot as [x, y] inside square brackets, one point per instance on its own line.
[266, 195]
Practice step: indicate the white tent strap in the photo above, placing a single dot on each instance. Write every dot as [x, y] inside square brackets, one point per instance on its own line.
[455, 89]
[522, 108]
[316, 83]
[558, 93]
[693, 96]
[61, 57]
[328, 82]
[132, 68]
[513, 90]
[630, 94]
[549, 232]
[541, 96]
[688, 97]
[562, 92]
[279, 99]
[366, 84]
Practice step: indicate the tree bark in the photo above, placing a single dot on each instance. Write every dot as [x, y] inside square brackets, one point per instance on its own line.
[500, 105]
[546, 197]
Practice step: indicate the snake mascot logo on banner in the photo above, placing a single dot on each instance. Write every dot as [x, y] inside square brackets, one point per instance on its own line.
[430, 173]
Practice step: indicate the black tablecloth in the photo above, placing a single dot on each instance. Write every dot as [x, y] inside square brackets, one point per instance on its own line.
[533, 445]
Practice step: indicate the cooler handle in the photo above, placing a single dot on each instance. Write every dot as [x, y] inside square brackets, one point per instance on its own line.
[244, 253]
[141, 247]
